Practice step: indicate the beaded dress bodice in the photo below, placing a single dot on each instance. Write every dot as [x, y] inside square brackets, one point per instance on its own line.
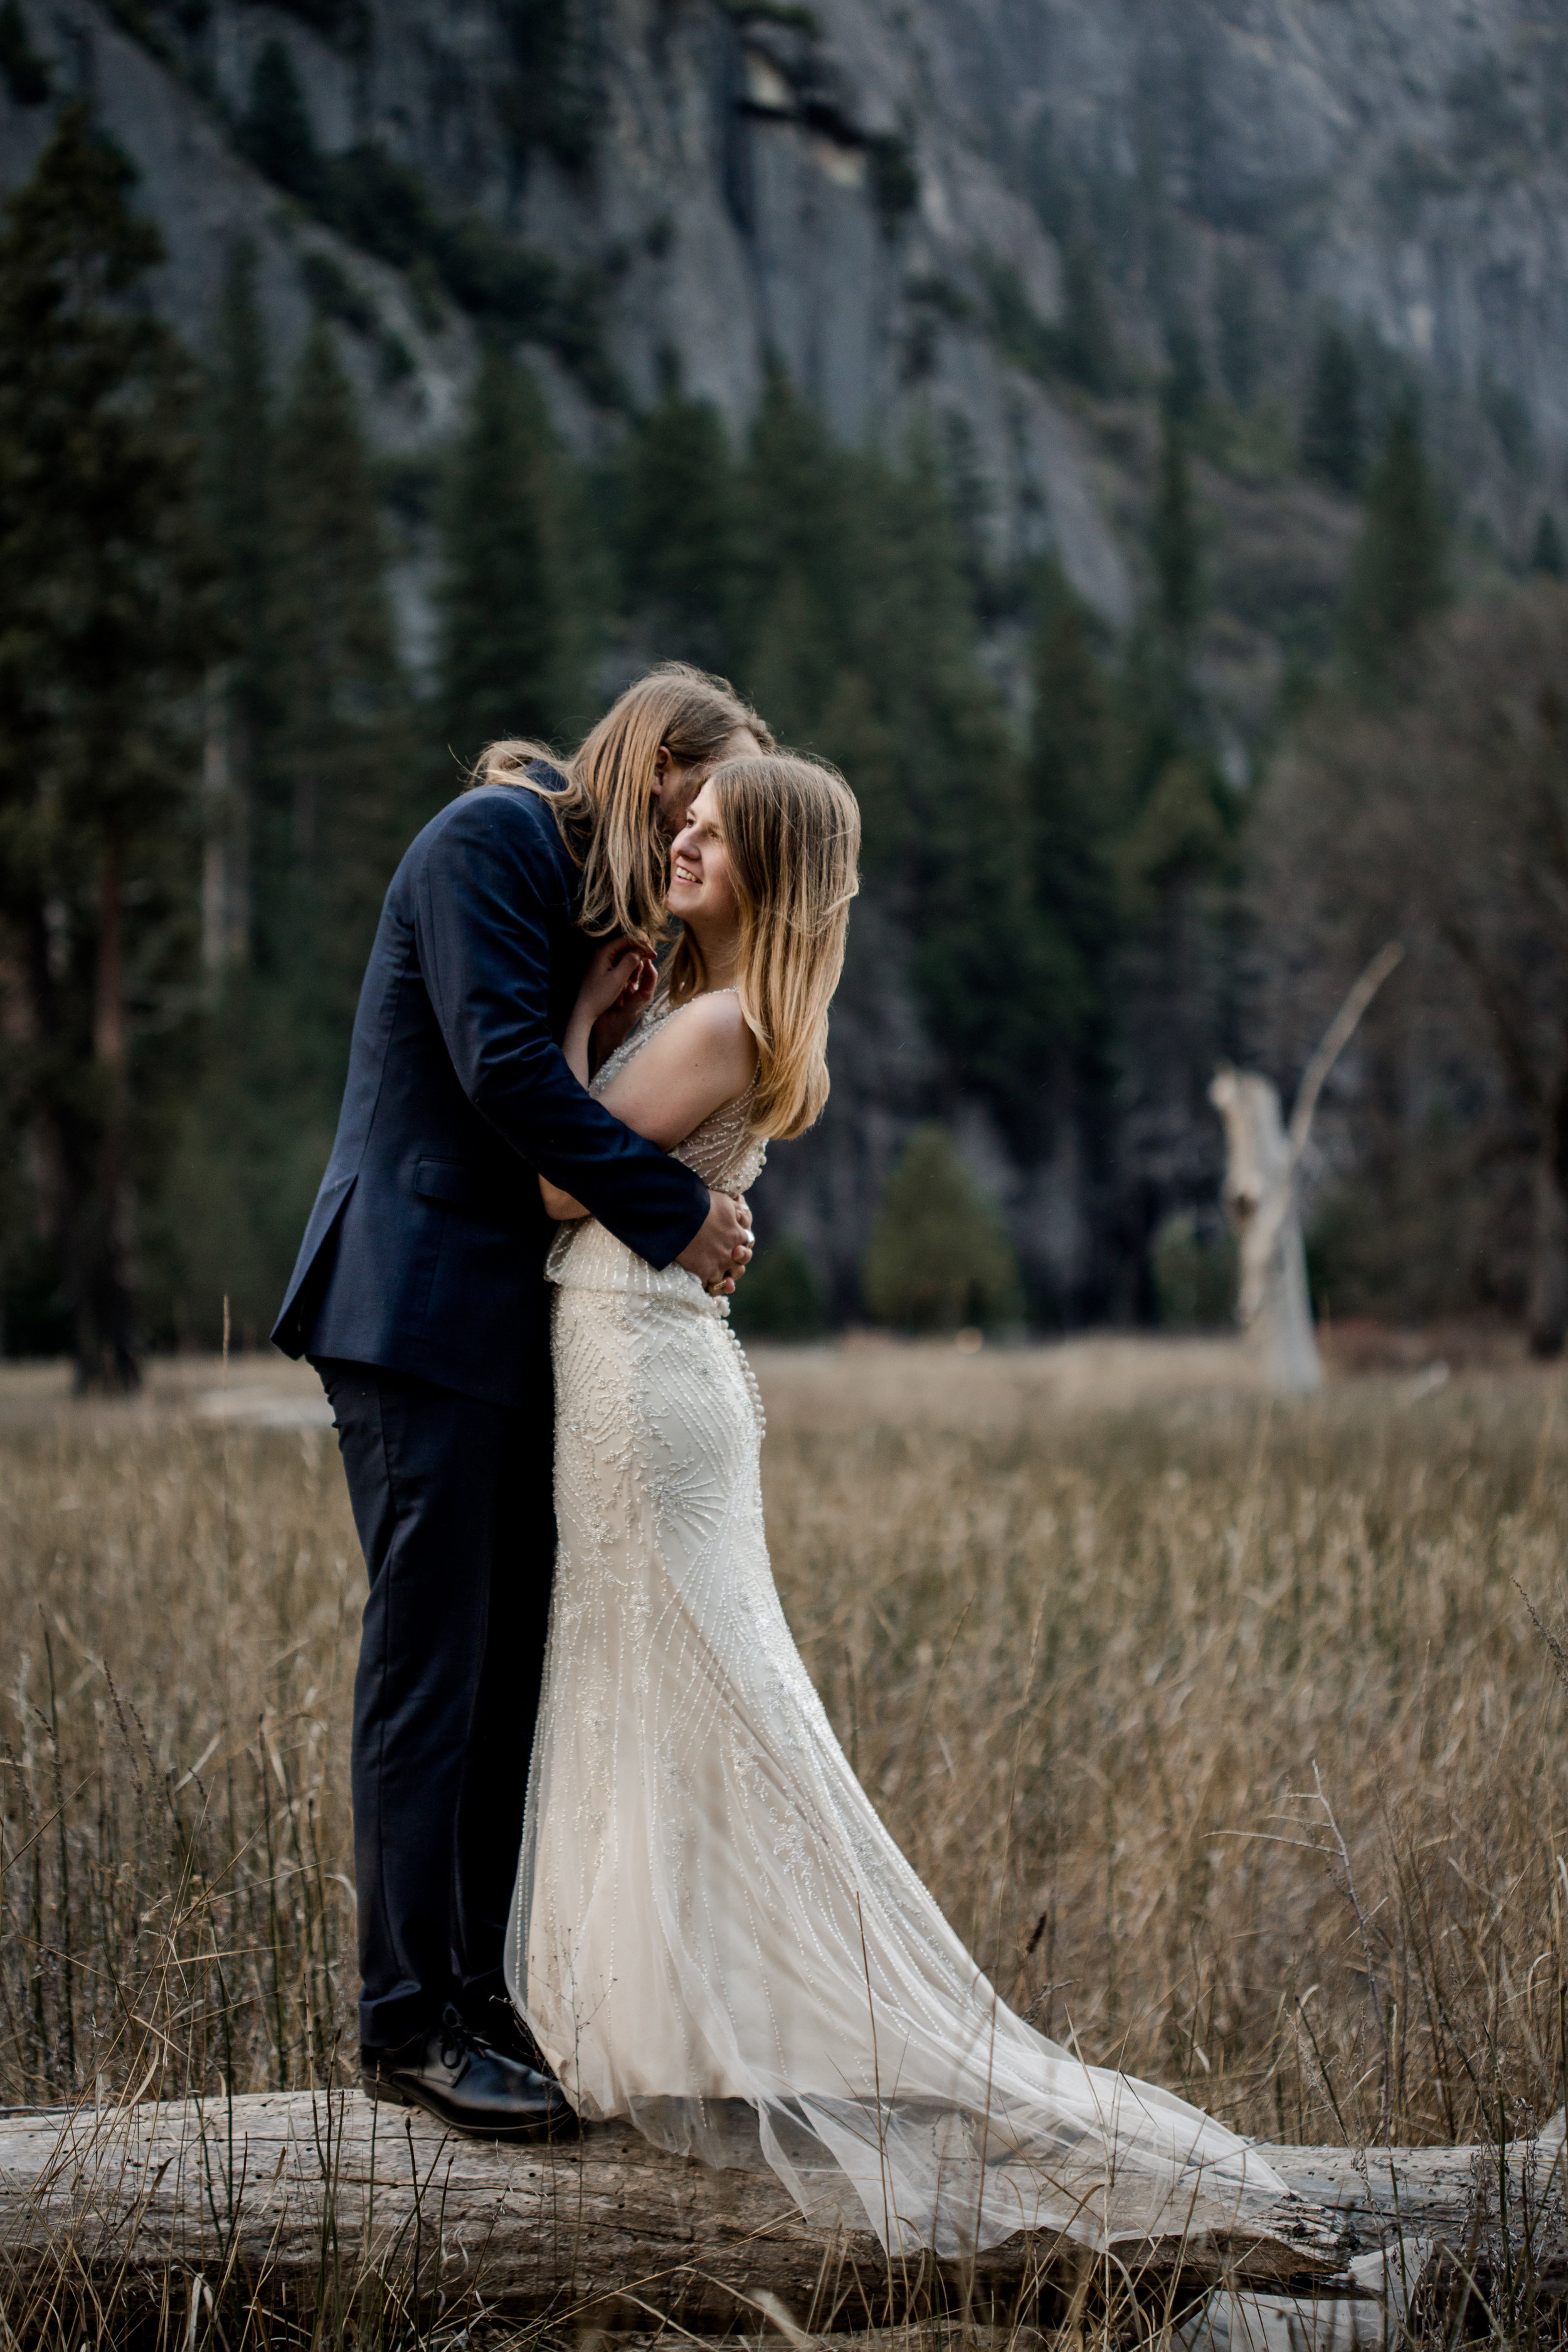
[725, 1151]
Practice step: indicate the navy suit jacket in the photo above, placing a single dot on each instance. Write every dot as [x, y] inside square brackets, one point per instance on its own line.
[424, 1250]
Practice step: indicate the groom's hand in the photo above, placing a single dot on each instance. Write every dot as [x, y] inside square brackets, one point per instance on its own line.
[720, 1250]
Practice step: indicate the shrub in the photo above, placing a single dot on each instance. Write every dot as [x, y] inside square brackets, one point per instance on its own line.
[938, 1258]
[1194, 1274]
[781, 1297]
[276, 132]
[333, 292]
[895, 179]
[24, 74]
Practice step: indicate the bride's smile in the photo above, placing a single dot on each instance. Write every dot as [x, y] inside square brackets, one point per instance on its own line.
[701, 888]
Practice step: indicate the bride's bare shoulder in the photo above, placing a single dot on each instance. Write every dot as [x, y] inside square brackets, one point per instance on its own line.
[716, 1014]
[696, 1059]
[714, 1026]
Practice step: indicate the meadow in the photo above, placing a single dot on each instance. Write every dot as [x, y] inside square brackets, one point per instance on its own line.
[1231, 1734]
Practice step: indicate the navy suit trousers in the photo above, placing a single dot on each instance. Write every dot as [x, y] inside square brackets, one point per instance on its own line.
[452, 1499]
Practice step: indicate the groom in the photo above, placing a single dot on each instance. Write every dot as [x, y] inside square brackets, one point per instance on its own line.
[418, 1295]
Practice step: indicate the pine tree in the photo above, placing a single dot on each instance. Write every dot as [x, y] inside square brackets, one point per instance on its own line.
[1175, 546]
[276, 131]
[1237, 332]
[854, 734]
[22, 69]
[862, 643]
[308, 588]
[1331, 435]
[1397, 574]
[345, 742]
[681, 531]
[1546, 549]
[793, 663]
[799, 511]
[1086, 340]
[106, 628]
[803, 579]
[1158, 712]
[1168, 941]
[972, 502]
[1151, 713]
[248, 1155]
[980, 960]
[552, 98]
[511, 631]
[1184, 391]
[1068, 792]
[242, 505]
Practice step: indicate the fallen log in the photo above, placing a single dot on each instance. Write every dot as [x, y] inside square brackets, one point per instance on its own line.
[305, 2197]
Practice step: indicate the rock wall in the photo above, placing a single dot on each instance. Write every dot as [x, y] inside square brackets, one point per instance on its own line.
[837, 185]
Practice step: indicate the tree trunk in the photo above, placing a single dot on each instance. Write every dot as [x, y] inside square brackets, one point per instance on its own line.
[1274, 1306]
[318, 2201]
[301, 2198]
[103, 1309]
[225, 876]
[1548, 1306]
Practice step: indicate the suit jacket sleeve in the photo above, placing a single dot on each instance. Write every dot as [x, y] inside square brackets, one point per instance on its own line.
[482, 932]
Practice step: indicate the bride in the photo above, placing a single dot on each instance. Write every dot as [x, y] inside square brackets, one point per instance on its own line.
[713, 1934]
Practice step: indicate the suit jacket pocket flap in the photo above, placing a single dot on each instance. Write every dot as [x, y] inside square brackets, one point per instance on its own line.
[451, 1181]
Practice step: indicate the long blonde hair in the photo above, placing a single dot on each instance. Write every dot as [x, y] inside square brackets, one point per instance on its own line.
[792, 836]
[605, 814]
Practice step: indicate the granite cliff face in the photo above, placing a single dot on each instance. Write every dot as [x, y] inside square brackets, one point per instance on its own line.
[880, 193]
[917, 207]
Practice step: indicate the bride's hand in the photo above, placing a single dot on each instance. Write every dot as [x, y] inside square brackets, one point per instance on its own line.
[615, 989]
[617, 993]
[616, 966]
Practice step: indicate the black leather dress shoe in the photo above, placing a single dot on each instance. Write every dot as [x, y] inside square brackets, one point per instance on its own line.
[497, 2024]
[469, 2086]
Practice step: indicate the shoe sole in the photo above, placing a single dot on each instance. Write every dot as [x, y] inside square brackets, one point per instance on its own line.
[560, 2128]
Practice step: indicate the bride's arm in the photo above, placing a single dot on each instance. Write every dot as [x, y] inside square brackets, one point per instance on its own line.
[701, 1057]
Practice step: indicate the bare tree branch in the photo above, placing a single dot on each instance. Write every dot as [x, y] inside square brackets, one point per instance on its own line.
[1334, 1040]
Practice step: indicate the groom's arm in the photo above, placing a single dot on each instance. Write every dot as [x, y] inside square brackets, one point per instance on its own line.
[481, 926]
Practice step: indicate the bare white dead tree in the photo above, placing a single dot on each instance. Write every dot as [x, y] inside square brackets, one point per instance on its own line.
[1263, 1163]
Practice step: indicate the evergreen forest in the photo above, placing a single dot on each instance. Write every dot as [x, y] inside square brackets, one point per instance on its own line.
[213, 747]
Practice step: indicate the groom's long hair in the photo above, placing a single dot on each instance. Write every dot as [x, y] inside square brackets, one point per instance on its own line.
[607, 813]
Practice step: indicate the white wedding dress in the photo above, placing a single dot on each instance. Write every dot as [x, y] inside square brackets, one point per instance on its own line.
[712, 1933]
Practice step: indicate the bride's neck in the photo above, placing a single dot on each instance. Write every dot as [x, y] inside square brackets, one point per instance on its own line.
[721, 962]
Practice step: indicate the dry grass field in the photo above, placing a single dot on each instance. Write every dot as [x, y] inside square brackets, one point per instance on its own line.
[1223, 1728]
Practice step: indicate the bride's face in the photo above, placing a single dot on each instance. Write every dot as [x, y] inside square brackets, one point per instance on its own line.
[700, 890]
